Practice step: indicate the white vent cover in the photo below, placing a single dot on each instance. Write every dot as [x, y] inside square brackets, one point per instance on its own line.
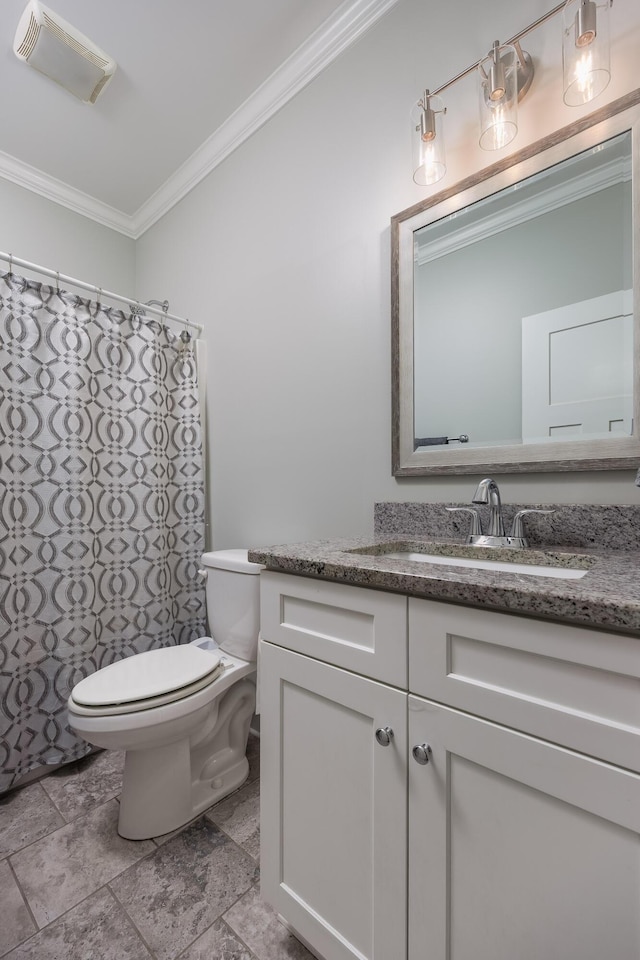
[53, 47]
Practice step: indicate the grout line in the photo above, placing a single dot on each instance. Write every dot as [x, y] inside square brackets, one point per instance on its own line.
[234, 933]
[254, 886]
[57, 919]
[23, 894]
[29, 910]
[38, 839]
[52, 802]
[227, 927]
[51, 833]
[235, 842]
[130, 919]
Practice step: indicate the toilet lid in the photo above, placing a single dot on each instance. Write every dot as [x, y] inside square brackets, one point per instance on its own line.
[147, 675]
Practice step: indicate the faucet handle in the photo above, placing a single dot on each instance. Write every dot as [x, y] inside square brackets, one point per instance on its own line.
[517, 530]
[476, 528]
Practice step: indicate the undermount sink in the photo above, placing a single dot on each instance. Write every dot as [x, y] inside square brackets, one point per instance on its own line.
[532, 569]
[534, 563]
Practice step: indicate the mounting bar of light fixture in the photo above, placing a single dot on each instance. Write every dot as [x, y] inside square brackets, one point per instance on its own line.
[515, 41]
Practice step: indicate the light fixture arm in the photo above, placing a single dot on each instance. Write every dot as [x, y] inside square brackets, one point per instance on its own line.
[427, 125]
[515, 41]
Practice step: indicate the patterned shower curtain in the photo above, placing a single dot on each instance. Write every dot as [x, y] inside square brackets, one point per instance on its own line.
[101, 506]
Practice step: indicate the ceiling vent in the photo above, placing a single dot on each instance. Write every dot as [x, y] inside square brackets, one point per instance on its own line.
[53, 47]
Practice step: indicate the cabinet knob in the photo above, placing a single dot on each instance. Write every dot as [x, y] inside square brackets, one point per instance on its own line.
[422, 753]
[384, 736]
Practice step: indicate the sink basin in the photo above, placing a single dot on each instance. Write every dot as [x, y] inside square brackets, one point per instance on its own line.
[530, 569]
[533, 563]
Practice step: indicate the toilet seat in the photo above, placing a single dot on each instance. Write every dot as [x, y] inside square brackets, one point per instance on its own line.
[146, 680]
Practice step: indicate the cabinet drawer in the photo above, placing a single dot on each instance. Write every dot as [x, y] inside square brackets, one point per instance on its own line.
[361, 630]
[569, 685]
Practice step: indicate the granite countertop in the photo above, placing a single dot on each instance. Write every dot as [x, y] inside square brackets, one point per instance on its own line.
[607, 597]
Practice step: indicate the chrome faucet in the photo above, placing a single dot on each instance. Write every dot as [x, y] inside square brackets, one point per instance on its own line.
[487, 492]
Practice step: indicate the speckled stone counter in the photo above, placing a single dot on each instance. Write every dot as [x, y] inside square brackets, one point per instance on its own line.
[605, 540]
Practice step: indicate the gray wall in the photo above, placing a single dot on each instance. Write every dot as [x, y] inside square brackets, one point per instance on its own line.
[50, 235]
[283, 254]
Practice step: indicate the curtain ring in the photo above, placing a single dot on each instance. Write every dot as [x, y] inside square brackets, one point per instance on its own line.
[98, 304]
[58, 282]
[11, 265]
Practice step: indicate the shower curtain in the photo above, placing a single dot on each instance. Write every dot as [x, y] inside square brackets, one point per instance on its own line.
[101, 506]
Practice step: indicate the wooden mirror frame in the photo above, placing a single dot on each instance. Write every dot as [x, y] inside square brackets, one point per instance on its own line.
[596, 454]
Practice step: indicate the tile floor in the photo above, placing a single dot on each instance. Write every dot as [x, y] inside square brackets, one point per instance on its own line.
[72, 889]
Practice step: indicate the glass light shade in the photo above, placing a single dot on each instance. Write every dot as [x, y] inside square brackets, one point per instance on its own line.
[498, 88]
[427, 141]
[585, 50]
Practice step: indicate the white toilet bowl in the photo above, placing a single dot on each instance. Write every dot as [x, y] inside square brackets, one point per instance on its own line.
[182, 713]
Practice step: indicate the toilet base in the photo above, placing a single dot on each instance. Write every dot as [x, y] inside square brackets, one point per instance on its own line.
[165, 787]
[138, 818]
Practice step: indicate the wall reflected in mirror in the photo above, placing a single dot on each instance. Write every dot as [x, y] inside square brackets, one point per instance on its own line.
[523, 310]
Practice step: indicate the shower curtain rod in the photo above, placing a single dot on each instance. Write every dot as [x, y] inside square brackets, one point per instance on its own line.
[99, 291]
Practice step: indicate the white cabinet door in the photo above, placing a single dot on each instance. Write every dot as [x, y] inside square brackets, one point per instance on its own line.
[333, 806]
[518, 848]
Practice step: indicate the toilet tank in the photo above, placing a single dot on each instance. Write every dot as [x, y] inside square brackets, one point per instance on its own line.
[233, 601]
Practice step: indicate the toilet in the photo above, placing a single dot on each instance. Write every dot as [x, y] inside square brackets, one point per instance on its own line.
[181, 713]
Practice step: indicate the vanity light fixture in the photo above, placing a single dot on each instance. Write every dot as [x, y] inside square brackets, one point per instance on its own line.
[429, 163]
[585, 50]
[498, 76]
[505, 76]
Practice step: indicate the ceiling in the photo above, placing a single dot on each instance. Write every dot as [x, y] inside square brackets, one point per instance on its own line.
[194, 79]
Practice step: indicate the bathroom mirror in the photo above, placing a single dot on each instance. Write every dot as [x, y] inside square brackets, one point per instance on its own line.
[515, 310]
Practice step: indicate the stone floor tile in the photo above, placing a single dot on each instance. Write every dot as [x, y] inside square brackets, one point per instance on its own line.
[79, 787]
[164, 837]
[96, 929]
[217, 943]
[26, 815]
[239, 816]
[175, 895]
[253, 756]
[258, 926]
[16, 923]
[60, 870]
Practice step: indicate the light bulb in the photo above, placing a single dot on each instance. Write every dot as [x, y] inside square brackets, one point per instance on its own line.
[427, 137]
[585, 50]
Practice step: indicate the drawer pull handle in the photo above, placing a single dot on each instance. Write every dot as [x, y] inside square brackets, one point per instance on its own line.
[384, 736]
[422, 753]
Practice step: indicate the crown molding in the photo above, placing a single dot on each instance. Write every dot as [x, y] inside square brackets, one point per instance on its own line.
[24, 175]
[347, 25]
[349, 22]
[546, 200]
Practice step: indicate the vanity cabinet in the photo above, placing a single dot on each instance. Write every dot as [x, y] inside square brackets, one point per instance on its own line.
[519, 837]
